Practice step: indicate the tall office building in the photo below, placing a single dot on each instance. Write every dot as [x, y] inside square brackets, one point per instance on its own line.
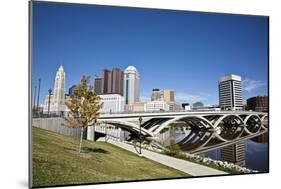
[56, 103]
[168, 95]
[98, 86]
[230, 92]
[163, 95]
[131, 85]
[117, 86]
[156, 95]
[111, 82]
[106, 81]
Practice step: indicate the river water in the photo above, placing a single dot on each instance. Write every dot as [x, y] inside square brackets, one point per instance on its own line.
[253, 156]
[251, 153]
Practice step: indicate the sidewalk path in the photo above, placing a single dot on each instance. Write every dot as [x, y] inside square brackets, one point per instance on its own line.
[191, 168]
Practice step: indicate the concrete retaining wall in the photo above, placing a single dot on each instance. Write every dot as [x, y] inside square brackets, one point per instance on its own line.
[58, 125]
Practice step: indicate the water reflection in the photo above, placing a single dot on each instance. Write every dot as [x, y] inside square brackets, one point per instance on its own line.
[235, 154]
[252, 153]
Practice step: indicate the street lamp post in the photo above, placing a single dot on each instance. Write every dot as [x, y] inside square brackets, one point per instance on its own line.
[94, 127]
[38, 94]
[50, 91]
[140, 120]
[34, 98]
[105, 128]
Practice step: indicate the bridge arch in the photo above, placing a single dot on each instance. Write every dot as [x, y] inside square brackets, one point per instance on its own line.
[264, 118]
[203, 122]
[128, 126]
[196, 139]
[229, 127]
[253, 123]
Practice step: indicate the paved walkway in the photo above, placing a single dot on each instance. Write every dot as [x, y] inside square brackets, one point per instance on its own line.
[193, 169]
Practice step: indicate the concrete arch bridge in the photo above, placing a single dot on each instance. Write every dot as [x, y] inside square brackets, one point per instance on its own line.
[198, 131]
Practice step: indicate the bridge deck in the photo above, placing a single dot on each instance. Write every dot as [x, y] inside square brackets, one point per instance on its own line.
[165, 114]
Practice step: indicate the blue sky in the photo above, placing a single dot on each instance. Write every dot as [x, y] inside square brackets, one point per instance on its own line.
[184, 51]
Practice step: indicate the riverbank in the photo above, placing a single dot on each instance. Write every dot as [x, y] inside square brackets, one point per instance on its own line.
[188, 167]
[176, 152]
[56, 162]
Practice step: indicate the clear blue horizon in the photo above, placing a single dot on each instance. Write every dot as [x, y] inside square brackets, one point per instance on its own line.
[180, 50]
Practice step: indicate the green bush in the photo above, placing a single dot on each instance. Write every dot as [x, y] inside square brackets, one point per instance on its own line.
[175, 151]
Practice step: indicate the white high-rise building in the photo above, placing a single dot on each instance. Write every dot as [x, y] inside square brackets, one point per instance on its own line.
[153, 106]
[57, 99]
[112, 103]
[230, 92]
[131, 85]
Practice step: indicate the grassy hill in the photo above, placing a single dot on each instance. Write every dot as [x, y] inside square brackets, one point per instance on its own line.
[56, 162]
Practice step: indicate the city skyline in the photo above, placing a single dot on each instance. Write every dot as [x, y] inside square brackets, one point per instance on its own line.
[153, 94]
[195, 47]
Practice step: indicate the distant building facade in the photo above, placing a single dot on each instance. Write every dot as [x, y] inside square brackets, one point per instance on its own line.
[98, 86]
[163, 95]
[197, 105]
[168, 95]
[186, 106]
[131, 86]
[71, 90]
[138, 107]
[156, 95]
[155, 106]
[230, 92]
[173, 106]
[258, 103]
[112, 103]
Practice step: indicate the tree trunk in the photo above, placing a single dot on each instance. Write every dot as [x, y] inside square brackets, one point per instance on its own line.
[94, 132]
[81, 139]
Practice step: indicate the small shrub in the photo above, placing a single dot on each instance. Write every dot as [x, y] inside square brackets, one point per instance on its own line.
[174, 150]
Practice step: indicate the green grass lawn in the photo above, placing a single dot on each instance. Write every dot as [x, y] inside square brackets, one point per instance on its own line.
[56, 162]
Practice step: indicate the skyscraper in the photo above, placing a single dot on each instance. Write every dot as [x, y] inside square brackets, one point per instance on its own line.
[112, 82]
[106, 81]
[131, 85]
[156, 95]
[98, 85]
[230, 92]
[168, 95]
[163, 95]
[117, 86]
[59, 89]
[57, 99]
